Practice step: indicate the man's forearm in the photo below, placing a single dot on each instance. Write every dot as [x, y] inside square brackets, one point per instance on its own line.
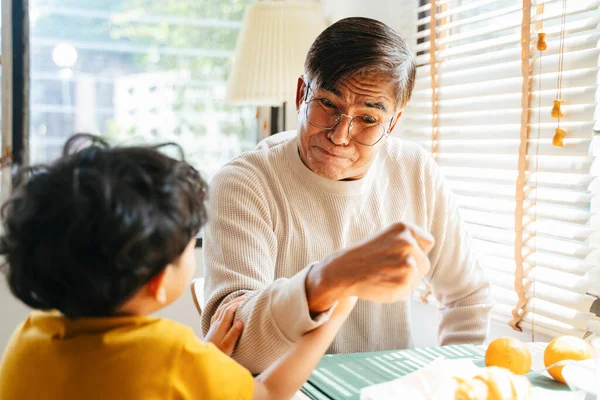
[321, 291]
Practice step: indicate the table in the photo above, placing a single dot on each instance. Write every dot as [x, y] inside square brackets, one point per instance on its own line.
[341, 376]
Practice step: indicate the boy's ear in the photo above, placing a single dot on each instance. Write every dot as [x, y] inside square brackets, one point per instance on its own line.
[156, 287]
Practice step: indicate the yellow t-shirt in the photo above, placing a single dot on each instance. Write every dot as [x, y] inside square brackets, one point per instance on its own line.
[51, 357]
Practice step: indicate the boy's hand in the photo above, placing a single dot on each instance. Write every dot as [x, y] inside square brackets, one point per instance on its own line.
[223, 333]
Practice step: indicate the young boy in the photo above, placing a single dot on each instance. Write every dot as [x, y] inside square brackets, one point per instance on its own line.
[100, 240]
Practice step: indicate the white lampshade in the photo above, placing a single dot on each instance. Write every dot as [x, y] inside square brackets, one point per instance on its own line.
[270, 52]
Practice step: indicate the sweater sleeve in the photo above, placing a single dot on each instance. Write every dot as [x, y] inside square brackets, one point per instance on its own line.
[240, 255]
[456, 279]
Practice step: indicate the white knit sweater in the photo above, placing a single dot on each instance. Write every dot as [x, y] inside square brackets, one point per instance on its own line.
[270, 218]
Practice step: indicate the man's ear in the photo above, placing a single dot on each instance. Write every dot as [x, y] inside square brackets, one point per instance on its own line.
[300, 92]
[156, 287]
[396, 120]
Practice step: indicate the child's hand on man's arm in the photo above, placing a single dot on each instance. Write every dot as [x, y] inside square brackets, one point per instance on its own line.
[223, 332]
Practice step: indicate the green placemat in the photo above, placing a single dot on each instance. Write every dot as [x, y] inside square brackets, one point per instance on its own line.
[342, 376]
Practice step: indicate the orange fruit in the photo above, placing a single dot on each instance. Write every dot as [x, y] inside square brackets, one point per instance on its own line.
[509, 353]
[565, 348]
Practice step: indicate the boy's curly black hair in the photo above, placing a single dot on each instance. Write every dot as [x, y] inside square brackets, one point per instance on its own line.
[83, 234]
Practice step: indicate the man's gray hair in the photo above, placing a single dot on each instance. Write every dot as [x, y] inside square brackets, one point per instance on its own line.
[359, 46]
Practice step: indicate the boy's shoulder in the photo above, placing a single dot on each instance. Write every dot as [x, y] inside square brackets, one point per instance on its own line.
[161, 334]
[166, 329]
[134, 331]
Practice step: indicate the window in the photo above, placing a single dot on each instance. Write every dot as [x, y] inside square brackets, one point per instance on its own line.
[526, 201]
[137, 71]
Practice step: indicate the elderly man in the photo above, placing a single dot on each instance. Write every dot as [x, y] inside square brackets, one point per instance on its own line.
[338, 209]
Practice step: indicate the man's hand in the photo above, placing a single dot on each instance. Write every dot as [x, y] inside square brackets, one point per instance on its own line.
[385, 268]
[223, 333]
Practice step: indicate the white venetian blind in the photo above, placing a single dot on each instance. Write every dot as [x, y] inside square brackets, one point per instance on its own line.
[479, 83]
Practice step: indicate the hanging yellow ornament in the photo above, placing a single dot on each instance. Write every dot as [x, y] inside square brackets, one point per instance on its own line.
[541, 44]
[556, 110]
[559, 135]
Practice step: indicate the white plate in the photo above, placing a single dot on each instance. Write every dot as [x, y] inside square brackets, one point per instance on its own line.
[582, 375]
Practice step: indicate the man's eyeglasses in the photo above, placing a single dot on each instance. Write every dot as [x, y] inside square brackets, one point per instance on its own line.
[363, 129]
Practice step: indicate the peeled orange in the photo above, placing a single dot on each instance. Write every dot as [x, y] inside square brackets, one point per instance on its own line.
[509, 353]
[565, 348]
[492, 383]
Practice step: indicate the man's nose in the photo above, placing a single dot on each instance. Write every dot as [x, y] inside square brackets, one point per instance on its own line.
[339, 135]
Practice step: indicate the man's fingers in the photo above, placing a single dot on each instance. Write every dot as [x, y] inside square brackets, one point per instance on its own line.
[414, 278]
[415, 254]
[228, 343]
[421, 260]
[423, 238]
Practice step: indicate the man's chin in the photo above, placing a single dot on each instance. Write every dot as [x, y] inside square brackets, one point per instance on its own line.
[331, 168]
[327, 172]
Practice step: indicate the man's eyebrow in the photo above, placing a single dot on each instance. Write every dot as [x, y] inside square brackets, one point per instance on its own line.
[377, 104]
[334, 91]
[371, 104]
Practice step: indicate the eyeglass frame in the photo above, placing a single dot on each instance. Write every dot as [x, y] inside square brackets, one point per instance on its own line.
[386, 132]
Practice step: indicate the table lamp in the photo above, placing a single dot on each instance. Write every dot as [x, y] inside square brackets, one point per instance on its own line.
[270, 52]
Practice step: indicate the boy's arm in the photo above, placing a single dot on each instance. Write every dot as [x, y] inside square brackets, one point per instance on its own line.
[287, 375]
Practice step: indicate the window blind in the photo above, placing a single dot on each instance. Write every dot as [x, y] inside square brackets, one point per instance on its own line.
[469, 112]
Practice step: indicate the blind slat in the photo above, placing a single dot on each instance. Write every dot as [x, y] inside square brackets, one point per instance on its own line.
[575, 130]
[549, 293]
[571, 265]
[576, 95]
[543, 163]
[540, 179]
[576, 78]
[572, 147]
